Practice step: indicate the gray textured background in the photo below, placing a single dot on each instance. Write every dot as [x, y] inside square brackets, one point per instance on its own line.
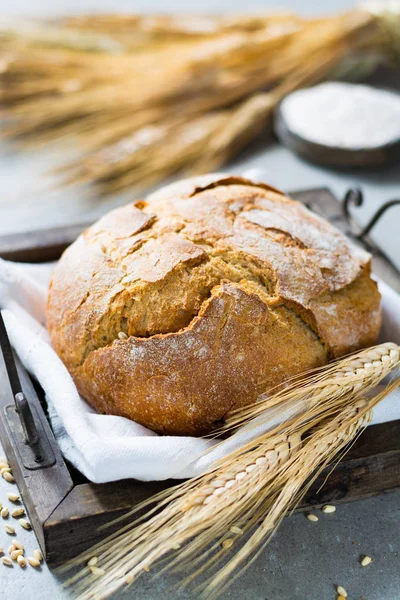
[305, 560]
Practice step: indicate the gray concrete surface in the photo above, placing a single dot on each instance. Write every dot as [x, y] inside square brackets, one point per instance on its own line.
[304, 560]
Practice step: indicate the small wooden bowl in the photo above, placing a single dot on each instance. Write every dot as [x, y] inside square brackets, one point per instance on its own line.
[334, 156]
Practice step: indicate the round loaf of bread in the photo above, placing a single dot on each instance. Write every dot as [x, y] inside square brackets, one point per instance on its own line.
[175, 310]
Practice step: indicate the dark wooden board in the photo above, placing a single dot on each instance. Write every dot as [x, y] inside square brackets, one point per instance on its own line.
[42, 245]
[66, 511]
[371, 466]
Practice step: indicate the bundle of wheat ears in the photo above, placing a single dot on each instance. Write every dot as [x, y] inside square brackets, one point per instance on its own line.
[149, 97]
[220, 521]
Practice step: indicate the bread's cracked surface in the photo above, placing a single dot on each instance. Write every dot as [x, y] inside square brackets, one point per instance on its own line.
[224, 288]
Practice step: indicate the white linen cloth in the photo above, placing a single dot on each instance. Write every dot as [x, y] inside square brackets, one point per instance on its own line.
[107, 448]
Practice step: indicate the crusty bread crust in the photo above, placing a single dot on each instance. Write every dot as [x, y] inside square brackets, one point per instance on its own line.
[223, 288]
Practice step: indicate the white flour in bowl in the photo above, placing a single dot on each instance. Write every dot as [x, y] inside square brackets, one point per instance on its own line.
[343, 115]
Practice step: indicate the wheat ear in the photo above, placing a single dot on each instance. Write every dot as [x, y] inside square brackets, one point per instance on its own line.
[209, 102]
[319, 448]
[251, 489]
[255, 113]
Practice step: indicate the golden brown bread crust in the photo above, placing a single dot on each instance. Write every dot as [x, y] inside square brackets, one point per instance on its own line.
[224, 288]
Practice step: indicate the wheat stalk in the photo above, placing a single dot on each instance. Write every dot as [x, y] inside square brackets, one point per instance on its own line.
[177, 145]
[387, 15]
[252, 488]
[31, 34]
[114, 33]
[255, 114]
[215, 92]
[304, 62]
[108, 85]
[321, 446]
[165, 26]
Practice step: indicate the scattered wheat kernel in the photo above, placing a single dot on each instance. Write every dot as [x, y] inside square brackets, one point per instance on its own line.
[227, 543]
[341, 591]
[18, 512]
[312, 517]
[18, 545]
[97, 571]
[8, 477]
[25, 524]
[5, 469]
[237, 530]
[92, 562]
[366, 560]
[328, 508]
[38, 555]
[21, 561]
[14, 555]
[13, 497]
[122, 336]
[7, 561]
[1, 506]
[11, 549]
[10, 530]
[4, 512]
[33, 562]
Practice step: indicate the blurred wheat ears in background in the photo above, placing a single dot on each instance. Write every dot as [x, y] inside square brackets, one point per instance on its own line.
[152, 97]
[233, 509]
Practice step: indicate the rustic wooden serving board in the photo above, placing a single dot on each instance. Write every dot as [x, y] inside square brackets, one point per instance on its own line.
[66, 511]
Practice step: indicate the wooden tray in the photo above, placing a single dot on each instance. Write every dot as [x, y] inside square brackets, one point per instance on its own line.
[66, 510]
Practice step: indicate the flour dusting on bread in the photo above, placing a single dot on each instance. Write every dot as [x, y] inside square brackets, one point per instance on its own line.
[221, 288]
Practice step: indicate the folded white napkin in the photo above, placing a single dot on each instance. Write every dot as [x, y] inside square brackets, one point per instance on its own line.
[107, 448]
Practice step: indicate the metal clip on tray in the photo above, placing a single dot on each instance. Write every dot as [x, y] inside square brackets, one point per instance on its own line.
[24, 423]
